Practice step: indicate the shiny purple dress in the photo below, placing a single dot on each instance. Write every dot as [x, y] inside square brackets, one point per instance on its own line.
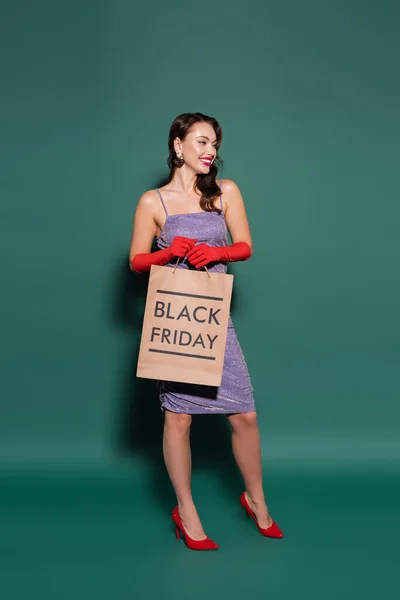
[235, 394]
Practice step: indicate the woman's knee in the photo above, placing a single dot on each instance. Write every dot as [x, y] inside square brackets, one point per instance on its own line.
[178, 422]
[243, 421]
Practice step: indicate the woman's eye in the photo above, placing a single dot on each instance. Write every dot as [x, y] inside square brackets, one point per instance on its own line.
[201, 142]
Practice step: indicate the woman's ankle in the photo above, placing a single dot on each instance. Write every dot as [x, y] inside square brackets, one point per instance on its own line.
[186, 505]
[257, 498]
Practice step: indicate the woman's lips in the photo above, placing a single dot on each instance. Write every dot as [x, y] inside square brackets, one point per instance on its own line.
[206, 161]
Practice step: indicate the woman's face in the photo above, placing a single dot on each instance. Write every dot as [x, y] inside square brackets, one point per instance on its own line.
[199, 148]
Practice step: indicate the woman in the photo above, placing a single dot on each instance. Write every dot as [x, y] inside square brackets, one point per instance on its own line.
[190, 217]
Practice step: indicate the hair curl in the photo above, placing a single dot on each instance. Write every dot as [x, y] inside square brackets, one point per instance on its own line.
[206, 184]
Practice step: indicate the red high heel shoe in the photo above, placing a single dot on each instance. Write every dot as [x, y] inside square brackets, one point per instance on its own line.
[272, 531]
[205, 544]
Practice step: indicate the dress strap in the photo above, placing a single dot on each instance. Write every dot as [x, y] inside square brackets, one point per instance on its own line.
[162, 201]
[220, 198]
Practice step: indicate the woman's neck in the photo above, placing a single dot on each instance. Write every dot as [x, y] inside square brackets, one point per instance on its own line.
[183, 180]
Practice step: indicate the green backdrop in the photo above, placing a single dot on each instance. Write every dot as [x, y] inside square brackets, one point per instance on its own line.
[307, 94]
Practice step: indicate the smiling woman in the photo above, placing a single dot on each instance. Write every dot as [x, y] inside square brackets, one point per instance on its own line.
[190, 216]
[198, 141]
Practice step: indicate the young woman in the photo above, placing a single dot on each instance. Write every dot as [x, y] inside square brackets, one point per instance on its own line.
[190, 217]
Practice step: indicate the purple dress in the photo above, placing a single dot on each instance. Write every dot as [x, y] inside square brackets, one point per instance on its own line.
[235, 394]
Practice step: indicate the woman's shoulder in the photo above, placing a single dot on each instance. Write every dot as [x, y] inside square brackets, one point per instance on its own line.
[230, 191]
[231, 194]
[228, 185]
[149, 199]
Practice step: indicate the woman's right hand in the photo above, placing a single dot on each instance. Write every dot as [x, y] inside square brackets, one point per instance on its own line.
[180, 246]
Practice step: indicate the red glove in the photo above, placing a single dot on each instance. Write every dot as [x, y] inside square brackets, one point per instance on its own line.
[201, 255]
[179, 247]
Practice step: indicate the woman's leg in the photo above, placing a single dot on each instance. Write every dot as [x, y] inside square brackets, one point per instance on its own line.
[247, 452]
[177, 456]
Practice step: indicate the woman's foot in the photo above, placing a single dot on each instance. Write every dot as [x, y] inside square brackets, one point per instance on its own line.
[268, 528]
[191, 522]
[261, 512]
[204, 543]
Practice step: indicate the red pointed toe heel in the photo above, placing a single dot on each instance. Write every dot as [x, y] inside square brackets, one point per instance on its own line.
[272, 531]
[206, 544]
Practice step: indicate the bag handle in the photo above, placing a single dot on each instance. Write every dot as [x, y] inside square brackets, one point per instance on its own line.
[177, 263]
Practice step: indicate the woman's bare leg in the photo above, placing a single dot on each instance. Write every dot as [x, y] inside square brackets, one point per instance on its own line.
[177, 457]
[247, 452]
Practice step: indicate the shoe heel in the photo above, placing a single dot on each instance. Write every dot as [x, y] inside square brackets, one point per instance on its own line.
[177, 533]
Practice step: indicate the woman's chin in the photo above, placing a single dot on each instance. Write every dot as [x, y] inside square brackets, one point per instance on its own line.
[203, 170]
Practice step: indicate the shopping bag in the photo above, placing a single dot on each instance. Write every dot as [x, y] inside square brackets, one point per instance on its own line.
[185, 326]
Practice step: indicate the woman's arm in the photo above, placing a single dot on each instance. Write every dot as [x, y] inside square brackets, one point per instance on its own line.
[238, 226]
[235, 214]
[144, 229]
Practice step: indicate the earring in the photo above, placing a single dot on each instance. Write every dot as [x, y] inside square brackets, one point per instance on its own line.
[178, 161]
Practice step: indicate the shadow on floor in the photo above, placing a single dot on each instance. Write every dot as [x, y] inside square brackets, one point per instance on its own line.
[139, 417]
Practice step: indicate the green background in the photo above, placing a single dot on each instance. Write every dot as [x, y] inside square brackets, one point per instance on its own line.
[307, 94]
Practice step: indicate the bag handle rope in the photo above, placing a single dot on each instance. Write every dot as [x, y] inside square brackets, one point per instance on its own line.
[177, 262]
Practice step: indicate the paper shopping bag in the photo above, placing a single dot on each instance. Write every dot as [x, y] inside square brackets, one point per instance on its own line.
[185, 326]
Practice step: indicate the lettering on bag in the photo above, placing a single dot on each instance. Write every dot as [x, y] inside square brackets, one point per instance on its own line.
[176, 339]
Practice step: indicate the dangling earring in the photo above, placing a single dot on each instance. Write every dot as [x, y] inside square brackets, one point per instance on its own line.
[178, 161]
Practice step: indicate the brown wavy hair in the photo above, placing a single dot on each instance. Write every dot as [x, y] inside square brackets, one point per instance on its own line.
[206, 184]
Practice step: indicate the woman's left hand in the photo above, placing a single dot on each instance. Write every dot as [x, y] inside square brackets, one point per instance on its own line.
[201, 255]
